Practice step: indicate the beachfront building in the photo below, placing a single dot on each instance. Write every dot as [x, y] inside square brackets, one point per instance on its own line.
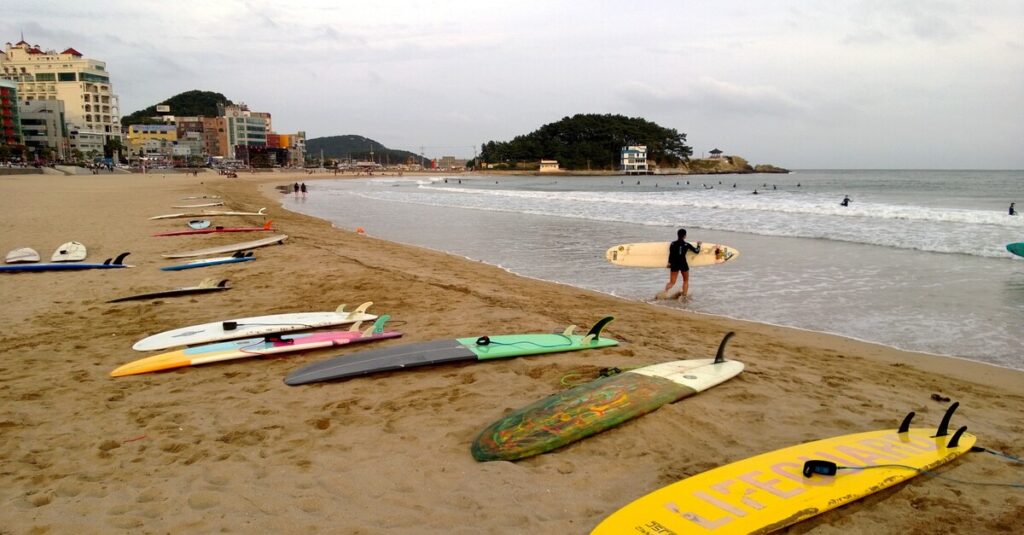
[715, 154]
[10, 124]
[246, 131]
[44, 129]
[152, 141]
[634, 160]
[83, 84]
[549, 166]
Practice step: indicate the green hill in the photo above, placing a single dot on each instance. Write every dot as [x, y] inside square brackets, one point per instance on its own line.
[590, 141]
[357, 148]
[187, 104]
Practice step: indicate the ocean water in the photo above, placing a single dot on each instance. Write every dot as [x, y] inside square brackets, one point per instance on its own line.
[916, 261]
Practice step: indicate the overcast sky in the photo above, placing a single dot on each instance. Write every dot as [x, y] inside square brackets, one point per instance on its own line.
[800, 84]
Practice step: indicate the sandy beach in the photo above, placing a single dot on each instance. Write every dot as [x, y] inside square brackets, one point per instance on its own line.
[230, 448]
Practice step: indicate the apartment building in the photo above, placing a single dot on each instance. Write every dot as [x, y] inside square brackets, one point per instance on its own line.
[10, 124]
[44, 129]
[83, 84]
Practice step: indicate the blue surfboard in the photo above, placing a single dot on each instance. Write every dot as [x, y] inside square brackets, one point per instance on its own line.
[206, 262]
[107, 264]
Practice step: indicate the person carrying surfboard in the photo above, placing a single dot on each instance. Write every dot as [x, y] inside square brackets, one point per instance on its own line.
[677, 261]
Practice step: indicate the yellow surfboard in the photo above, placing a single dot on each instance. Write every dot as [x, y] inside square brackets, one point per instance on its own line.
[777, 489]
[655, 255]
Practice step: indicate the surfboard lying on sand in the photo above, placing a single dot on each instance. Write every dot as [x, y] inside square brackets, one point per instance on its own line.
[443, 351]
[203, 205]
[107, 264]
[249, 327]
[71, 251]
[215, 230]
[200, 197]
[256, 347]
[777, 489]
[593, 407]
[207, 262]
[205, 286]
[208, 213]
[199, 223]
[655, 255]
[22, 255]
[1016, 248]
[242, 246]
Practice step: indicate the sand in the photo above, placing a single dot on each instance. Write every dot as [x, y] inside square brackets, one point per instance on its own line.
[230, 448]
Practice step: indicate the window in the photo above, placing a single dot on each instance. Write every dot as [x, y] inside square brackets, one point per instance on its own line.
[66, 77]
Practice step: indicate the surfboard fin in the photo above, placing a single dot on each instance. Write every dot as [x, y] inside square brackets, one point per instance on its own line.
[943, 429]
[955, 441]
[378, 326]
[595, 331]
[362, 309]
[266, 226]
[120, 259]
[355, 327]
[569, 330]
[905, 425]
[223, 284]
[262, 211]
[720, 356]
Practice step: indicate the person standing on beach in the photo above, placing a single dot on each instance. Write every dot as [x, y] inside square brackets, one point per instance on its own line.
[302, 188]
[1012, 211]
[295, 189]
[677, 262]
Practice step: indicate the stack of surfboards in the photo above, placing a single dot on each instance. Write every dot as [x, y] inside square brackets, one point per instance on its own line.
[265, 345]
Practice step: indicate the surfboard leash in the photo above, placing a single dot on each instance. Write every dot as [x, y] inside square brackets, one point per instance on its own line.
[827, 466]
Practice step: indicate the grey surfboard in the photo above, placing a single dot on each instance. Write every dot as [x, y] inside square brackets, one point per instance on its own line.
[206, 286]
[444, 351]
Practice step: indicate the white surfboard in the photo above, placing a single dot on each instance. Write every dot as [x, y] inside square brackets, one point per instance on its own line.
[208, 213]
[71, 251]
[243, 246]
[200, 197]
[255, 326]
[204, 205]
[24, 255]
[655, 255]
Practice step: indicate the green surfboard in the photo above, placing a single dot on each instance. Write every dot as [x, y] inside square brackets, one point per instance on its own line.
[1016, 248]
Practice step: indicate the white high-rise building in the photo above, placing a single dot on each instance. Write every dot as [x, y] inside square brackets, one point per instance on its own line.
[83, 84]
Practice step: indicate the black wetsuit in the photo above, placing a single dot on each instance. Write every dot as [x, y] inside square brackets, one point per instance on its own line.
[677, 255]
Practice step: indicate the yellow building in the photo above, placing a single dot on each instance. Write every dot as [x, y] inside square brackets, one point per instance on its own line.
[152, 139]
[83, 84]
[549, 166]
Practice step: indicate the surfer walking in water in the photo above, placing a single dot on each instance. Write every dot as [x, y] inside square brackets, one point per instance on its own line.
[1012, 211]
[677, 262]
[846, 201]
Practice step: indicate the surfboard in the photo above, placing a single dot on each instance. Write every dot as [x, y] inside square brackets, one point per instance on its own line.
[591, 408]
[477, 348]
[256, 347]
[200, 197]
[199, 223]
[279, 238]
[208, 213]
[1016, 248]
[203, 205]
[215, 230]
[205, 286]
[773, 490]
[73, 266]
[71, 251]
[249, 327]
[22, 255]
[655, 255]
[207, 262]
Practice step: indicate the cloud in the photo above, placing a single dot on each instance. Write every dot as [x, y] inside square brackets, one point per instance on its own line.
[716, 96]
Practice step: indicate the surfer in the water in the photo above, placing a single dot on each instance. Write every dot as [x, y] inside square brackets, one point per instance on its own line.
[677, 262]
[1012, 211]
[846, 201]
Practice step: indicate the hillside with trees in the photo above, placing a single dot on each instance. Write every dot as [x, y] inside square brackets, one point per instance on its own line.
[352, 147]
[187, 104]
[590, 141]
